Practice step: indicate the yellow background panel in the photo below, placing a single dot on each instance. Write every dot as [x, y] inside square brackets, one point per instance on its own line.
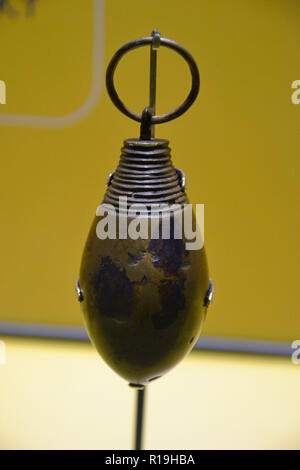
[60, 395]
[44, 52]
[239, 146]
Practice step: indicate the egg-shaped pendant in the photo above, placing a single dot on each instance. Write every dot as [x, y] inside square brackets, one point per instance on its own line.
[144, 286]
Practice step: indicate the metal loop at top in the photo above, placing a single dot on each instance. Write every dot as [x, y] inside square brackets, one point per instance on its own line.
[160, 118]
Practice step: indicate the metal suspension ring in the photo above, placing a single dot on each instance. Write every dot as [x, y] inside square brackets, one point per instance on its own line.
[159, 118]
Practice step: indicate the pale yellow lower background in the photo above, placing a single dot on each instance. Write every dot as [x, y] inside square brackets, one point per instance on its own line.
[60, 395]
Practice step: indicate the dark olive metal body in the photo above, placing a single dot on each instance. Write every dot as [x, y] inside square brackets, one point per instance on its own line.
[144, 300]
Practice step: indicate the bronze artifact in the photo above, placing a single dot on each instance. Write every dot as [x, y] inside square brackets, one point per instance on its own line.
[139, 295]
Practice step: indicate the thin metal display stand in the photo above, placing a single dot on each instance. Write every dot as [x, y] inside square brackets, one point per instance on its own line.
[140, 394]
[140, 411]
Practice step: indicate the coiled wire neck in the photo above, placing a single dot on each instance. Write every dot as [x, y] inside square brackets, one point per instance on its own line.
[145, 175]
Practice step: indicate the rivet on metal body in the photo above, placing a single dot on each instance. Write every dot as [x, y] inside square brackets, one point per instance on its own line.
[209, 294]
[79, 292]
